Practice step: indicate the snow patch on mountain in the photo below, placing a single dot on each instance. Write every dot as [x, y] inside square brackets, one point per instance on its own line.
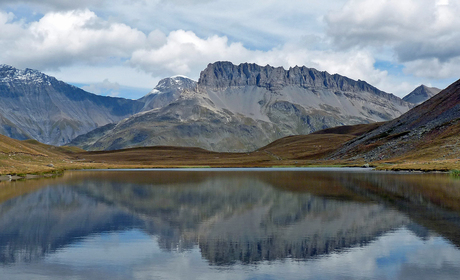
[167, 90]
[9, 74]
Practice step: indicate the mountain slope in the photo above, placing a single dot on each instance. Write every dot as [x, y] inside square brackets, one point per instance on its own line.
[191, 121]
[86, 140]
[244, 107]
[263, 92]
[34, 105]
[428, 131]
[421, 94]
[12, 130]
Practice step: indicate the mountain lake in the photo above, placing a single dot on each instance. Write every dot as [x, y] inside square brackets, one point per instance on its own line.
[302, 223]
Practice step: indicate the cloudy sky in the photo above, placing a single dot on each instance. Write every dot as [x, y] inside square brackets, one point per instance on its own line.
[124, 47]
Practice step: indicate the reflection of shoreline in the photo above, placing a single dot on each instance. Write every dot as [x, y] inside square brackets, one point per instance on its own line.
[12, 189]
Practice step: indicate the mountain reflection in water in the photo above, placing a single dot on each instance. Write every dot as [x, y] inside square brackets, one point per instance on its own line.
[232, 218]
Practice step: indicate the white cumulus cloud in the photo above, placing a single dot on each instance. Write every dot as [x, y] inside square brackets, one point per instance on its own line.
[183, 52]
[63, 38]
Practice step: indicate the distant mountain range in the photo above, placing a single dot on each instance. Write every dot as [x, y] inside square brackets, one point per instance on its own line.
[244, 107]
[34, 105]
[427, 133]
[231, 108]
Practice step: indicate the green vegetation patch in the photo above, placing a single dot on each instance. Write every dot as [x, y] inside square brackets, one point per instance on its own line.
[455, 173]
[191, 166]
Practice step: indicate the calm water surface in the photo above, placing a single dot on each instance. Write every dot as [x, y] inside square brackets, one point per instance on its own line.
[229, 224]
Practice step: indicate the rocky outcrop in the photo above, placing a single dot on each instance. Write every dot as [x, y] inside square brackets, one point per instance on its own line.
[34, 105]
[421, 94]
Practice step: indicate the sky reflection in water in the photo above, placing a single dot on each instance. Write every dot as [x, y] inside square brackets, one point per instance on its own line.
[204, 225]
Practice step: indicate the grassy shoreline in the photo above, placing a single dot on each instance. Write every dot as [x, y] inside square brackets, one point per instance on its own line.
[38, 170]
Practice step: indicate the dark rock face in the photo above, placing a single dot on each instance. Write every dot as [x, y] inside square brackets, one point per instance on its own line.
[225, 74]
[421, 94]
[34, 105]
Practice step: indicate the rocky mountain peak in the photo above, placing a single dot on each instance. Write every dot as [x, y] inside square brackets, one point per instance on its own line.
[5, 67]
[167, 90]
[421, 94]
[175, 83]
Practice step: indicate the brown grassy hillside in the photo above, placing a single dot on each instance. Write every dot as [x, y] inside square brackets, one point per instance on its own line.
[30, 156]
[317, 145]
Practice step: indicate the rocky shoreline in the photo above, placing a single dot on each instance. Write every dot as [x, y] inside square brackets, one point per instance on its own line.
[25, 177]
